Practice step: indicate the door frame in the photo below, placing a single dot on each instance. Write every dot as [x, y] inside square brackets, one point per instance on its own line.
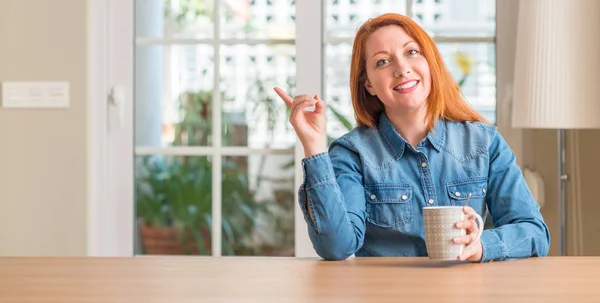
[109, 143]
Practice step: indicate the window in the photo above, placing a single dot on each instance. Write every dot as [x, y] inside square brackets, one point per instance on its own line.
[212, 145]
[216, 163]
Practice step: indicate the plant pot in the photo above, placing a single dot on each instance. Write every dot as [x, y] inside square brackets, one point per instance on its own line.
[166, 240]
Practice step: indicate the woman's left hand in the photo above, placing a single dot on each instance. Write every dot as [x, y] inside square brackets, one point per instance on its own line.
[475, 252]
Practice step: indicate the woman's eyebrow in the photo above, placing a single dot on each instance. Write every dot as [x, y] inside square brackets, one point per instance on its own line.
[385, 52]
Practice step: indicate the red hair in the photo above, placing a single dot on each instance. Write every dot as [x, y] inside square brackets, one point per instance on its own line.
[445, 99]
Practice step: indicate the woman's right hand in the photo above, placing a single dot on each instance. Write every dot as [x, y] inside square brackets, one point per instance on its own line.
[309, 125]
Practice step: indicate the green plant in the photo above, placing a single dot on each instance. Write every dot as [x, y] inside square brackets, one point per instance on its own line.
[341, 118]
[188, 10]
[175, 192]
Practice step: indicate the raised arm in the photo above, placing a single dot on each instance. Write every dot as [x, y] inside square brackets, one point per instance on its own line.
[333, 192]
[332, 196]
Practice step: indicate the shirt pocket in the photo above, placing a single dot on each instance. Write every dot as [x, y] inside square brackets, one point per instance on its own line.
[389, 205]
[458, 191]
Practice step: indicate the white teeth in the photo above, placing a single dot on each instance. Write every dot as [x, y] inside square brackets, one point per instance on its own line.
[406, 85]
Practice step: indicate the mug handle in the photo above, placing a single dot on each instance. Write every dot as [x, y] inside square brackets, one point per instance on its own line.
[479, 225]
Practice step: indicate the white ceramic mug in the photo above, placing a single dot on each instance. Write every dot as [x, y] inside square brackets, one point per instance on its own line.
[440, 231]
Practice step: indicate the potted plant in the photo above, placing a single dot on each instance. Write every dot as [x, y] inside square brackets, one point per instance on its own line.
[173, 205]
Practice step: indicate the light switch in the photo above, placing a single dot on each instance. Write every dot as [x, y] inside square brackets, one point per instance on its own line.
[35, 94]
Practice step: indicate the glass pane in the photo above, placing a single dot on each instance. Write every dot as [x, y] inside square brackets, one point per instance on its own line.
[173, 204]
[461, 18]
[174, 18]
[473, 65]
[173, 95]
[253, 115]
[340, 114]
[258, 19]
[343, 17]
[258, 205]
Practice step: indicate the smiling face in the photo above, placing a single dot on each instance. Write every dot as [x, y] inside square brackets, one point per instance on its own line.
[397, 72]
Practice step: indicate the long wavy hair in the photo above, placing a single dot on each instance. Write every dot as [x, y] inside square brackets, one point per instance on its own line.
[445, 99]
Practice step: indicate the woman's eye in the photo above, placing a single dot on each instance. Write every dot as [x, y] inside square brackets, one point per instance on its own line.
[382, 62]
[413, 52]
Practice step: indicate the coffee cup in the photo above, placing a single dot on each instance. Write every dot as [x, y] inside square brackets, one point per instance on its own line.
[440, 231]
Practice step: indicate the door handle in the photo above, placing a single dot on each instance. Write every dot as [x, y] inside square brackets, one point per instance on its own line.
[116, 97]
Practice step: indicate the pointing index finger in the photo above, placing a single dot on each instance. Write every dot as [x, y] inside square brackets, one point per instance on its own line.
[284, 96]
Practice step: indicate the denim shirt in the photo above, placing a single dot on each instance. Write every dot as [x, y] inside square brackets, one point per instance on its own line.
[368, 191]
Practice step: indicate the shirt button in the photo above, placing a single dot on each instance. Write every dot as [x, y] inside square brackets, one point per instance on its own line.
[457, 194]
[430, 201]
[404, 197]
[483, 190]
[423, 164]
[373, 197]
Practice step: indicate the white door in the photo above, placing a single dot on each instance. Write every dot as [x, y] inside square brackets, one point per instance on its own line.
[204, 144]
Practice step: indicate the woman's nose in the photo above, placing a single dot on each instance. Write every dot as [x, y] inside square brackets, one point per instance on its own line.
[402, 69]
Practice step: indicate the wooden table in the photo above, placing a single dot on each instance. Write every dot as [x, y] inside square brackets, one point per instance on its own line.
[253, 279]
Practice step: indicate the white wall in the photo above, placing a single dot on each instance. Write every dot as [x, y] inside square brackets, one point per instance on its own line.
[43, 151]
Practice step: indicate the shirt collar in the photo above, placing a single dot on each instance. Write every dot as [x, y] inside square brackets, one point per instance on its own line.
[438, 136]
[397, 144]
[393, 139]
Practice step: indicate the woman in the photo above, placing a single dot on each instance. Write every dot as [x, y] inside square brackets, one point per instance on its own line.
[417, 144]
